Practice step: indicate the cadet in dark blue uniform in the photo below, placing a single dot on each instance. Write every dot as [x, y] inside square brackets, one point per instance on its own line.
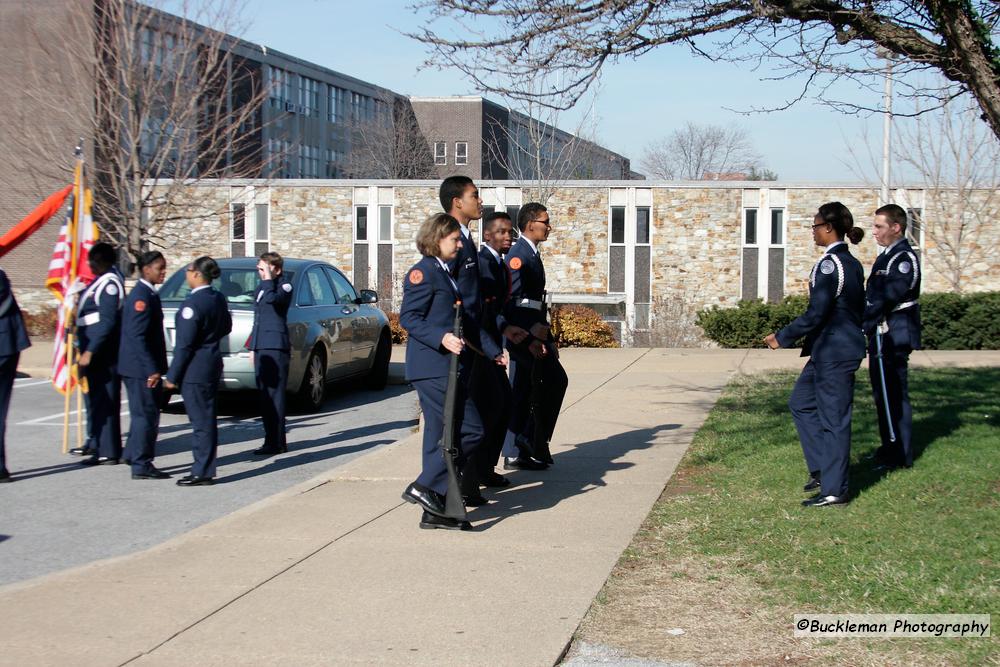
[428, 315]
[13, 339]
[823, 397]
[98, 330]
[271, 349]
[201, 323]
[142, 362]
[526, 311]
[892, 319]
[495, 403]
[460, 199]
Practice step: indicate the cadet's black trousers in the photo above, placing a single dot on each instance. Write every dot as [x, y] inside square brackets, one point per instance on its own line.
[896, 362]
[144, 410]
[8, 371]
[490, 390]
[104, 400]
[468, 428]
[271, 370]
[554, 381]
[199, 402]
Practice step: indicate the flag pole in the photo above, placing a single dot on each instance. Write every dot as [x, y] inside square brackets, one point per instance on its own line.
[71, 238]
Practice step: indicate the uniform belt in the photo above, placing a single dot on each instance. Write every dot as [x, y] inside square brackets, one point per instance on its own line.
[89, 319]
[904, 306]
[530, 303]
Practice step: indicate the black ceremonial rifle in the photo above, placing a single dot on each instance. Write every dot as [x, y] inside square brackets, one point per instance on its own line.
[454, 508]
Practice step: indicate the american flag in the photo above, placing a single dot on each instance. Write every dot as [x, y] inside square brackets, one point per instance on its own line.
[69, 274]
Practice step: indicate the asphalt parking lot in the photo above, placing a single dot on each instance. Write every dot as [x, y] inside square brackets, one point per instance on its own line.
[58, 514]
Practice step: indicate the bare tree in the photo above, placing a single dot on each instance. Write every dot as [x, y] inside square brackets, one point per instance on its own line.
[389, 144]
[165, 101]
[696, 152]
[958, 162]
[504, 43]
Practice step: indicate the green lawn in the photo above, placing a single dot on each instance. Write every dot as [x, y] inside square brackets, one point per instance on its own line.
[924, 540]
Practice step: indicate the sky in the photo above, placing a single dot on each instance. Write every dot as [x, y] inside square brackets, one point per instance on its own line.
[640, 100]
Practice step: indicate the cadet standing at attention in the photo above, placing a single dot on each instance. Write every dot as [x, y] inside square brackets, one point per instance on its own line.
[892, 325]
[428, 315]
[98, 330]
[526, 446]
[13, 339]
[142, 363]
[270, 350]
[823, 397]
[201, 323]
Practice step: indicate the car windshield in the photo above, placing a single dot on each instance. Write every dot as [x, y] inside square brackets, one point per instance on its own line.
[236, 284]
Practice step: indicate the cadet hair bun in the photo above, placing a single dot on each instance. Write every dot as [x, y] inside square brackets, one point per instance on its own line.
[855, 234]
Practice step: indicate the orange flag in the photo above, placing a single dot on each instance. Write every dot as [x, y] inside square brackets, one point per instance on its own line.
[33, 221]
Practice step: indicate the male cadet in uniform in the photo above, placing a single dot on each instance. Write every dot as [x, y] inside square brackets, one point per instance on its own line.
[270, 350]
[892, 317]
[98, 330]
[142, 361]
[526, 310]
[460, 199]
[13, 339]
[494, 281]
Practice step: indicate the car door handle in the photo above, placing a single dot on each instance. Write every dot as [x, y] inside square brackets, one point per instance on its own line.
[346, 311]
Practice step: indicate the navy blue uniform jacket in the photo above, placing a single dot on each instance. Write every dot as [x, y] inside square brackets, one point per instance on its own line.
[99, 318]
[465, 269]
[895, 283]
[270, 315]
[13, 333]
[427, 314]
[832, 322]
[494, 284]
[527, 281]
[143, 348]
[201, 323]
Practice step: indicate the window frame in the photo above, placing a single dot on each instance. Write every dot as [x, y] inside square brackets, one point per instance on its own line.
[441, 159]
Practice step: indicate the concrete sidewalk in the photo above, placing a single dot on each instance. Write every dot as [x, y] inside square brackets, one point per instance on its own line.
[335, 571]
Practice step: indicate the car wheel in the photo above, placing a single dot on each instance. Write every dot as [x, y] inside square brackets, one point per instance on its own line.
[379, 373]
[313, 387]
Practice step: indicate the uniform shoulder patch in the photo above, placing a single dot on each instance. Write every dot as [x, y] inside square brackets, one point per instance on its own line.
[287, 287]
[515, 263]
[416, 277]
[187, 312]
[112, 289]
[140, 306]
[905, 267]
[827, 267]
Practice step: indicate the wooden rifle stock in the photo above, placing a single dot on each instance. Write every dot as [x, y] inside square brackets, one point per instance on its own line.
[454, 506]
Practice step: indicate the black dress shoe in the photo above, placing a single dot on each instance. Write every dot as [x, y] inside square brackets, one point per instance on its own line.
[83, 451]
[495, 480]
[542, 454]
[267, 450]
[430, 521]
[99, 461]
[5, 477]
[430, 500]
[195, 481]
[522, 463]
[476, 500]
[151, 473]
[822, 501]
[813, 484]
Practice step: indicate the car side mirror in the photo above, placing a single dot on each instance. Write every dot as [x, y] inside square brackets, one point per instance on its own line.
[367, 296]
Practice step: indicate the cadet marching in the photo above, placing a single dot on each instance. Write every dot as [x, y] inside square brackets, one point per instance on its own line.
[481, 355]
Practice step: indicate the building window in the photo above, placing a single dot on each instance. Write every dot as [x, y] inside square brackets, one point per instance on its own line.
[385, 223]
[308, 161]
[617, 225]
[440, 152]
[239, 222]
[750, 226]
[309, 96]
[914, 227]
[262, 228]
[642, 215]
[777, 226]
[461, 152]
[339, 104]
[362, 107]
[282, 93]
[361, 223]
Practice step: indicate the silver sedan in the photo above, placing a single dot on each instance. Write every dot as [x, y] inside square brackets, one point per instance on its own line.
[336, 333]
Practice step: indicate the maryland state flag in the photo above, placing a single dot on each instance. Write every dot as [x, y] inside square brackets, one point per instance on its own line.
[69, 274]
[30, 224]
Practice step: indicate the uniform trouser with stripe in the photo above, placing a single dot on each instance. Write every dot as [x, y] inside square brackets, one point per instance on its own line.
[821, 405]
[468, 430]
[522, 424]
[271, 371]
[104, 400]
[144, 411]
[896, 362]
[491, 392]
[8, 371]
[199, 402]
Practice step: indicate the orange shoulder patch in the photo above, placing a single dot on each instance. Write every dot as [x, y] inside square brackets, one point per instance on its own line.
[515, 263]
[416, 277]
[140, 306]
